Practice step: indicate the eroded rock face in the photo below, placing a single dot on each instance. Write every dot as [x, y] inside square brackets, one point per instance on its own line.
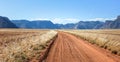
[118, 17]
[112, 24]
[47, 24]
[38, 24]
[116, 23]
[6, 23]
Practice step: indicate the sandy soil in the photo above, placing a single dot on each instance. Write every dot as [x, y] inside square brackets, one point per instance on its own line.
[68, 48]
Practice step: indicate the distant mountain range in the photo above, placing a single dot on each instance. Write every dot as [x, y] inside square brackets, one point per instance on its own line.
[6, 23]
[47, 24]
[42, 24]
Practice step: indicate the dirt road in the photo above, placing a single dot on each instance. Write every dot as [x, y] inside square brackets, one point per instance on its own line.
[68, 48]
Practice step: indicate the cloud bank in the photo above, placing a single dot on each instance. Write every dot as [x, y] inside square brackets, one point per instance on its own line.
[71, 20]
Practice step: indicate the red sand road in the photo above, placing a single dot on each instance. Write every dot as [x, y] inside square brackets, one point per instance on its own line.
[68, 48]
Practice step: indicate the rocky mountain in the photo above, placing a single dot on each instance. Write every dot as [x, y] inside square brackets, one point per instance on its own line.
[66, 26]
[6, 23]
[38, 24]
[116, 23]
[46, 24]
[107, 24]
[112, 24]
[88, 25]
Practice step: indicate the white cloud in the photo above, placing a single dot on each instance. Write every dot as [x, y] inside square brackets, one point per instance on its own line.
[100, 19]
[40, 19]
[59, 20]
[71, 20]
[64, 21]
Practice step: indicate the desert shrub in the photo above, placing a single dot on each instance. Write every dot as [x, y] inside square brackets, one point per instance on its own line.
[24, 45]
[114, 52]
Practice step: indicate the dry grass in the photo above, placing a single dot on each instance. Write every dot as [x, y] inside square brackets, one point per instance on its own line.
[108, 39]
[21, 45]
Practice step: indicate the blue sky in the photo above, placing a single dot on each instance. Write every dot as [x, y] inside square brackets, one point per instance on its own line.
[60, 11]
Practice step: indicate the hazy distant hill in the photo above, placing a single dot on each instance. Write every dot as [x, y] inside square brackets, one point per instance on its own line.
[40, 24]
[116, 23]
[112, 24]
[47, 24]
[6, 23]
[66, 26]
[82, 25]
[88, 25]
[107, 24]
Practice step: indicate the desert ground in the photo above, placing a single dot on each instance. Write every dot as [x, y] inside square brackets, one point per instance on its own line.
[31, 45]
